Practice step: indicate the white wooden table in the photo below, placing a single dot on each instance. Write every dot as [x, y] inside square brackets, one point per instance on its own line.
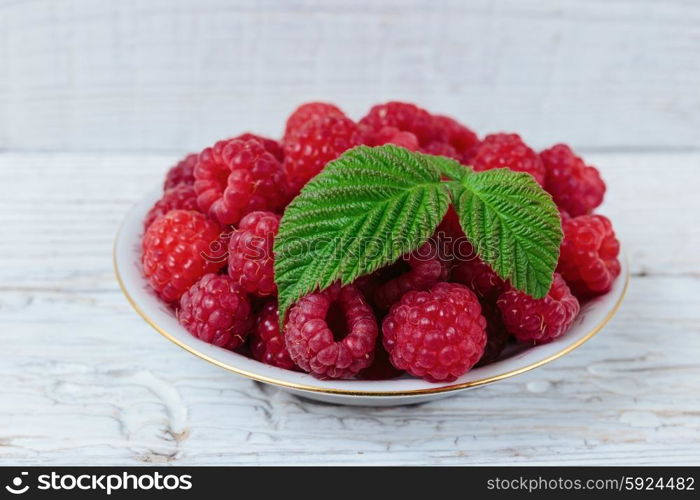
[83, 380]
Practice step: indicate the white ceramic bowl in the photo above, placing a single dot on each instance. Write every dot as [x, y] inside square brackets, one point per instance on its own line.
[516, 360]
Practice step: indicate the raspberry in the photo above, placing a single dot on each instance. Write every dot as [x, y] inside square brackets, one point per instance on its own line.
[441, 149]
[460, 138]
[402, 116]
[496, 334]
[539, 320]
[575, 187]
[235, 177]
[426, 269]
[182, 197]
[508, 150]
[216, 311]
[316, 143]
[177, 249]
[332, 334]
[266, 342]
[308, 112]
[588, 259]
[250, 257]
[392, 135]
[182, 173]
[478, 276]
[270, 145]
[437, 334]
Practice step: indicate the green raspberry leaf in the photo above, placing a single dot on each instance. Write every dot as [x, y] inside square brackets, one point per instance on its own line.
[512, 222]
[449, 167]
[362, 212]
[372, 205]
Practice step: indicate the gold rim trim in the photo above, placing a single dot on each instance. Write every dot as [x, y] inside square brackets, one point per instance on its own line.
[312, 388]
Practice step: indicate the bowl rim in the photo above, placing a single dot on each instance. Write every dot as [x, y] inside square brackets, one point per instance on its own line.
[346, 392]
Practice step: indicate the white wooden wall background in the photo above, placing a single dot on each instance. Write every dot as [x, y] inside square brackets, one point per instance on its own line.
[91, 91]
[176, 74]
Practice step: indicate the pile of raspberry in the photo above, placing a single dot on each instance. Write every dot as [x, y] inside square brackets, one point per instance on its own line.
[433, 314]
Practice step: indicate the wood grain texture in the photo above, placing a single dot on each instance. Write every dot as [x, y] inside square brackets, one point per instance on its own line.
[83, 380]
[167, 74]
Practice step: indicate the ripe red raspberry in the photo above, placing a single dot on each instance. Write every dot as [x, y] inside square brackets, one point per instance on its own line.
[270, 145]
[216, 311]
[182, 173]
[437, 334]
[478, 276]
[575, 187]
[539, 320]
[392, 135]
[496, 334]
[403, 116]
[266, 341]
[250, 257]
[462, 139]
[179, 248]
[332, 334]
[508, 150]
[181, 197]
[441, 149]
[316, 143]
[308, 112]
[233, 178]
[427, 267]
[588, 259]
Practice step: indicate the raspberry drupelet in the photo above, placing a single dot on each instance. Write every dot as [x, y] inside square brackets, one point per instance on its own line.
[235, 177]
[216, 310]
[180, 197]
[539, 320]
[250, 255]
[266, 340]
[508, 151]
[308, 112]
[427, 267]
[316, 143]
[589, 255]
[438, 334]
[182, 173]
[178, 249]
[332, 334]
